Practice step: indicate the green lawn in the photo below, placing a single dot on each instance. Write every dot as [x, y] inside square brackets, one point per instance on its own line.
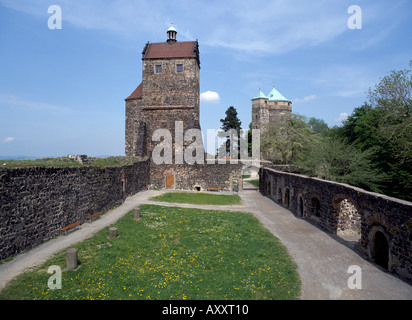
[254, 182]
[199, 198]
[172, 253]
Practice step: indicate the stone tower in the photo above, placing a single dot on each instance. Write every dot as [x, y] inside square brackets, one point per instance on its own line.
[266, 109]
[169, 92]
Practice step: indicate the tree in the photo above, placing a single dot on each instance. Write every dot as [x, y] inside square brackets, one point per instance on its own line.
[318, 125]
[231, 121]
[393, 96]
[383, 128]
[283, 139]
[337, 160]
[249, 139]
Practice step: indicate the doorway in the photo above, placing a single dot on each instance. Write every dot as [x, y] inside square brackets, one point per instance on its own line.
[300, 206]
[170, 180]
[381, 250]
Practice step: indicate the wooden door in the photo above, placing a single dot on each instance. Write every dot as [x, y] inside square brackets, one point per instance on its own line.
[170, 180]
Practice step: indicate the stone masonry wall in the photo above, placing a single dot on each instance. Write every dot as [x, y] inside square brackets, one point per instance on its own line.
[171, 88]
[319, 201]
[134, 129]
[166, 119]
[35, 202]
[167, 97]
[201, 177]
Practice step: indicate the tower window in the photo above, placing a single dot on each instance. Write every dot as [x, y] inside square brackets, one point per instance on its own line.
[179, 67]
[158, 68]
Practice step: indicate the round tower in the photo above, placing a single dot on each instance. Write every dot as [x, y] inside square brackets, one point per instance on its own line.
[277, 101]
[267, 108]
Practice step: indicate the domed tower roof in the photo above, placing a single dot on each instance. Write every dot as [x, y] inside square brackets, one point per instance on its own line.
[275, 95]
[171, 35]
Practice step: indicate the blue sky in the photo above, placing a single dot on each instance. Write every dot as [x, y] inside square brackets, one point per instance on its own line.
[62, 91]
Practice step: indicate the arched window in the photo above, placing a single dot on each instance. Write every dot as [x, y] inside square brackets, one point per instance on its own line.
[279, 198]
[287, 198]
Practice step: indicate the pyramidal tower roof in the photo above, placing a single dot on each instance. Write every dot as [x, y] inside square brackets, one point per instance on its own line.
[275, 95]
[260, 95]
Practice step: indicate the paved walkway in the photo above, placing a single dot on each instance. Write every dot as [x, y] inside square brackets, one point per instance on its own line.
[322, 261]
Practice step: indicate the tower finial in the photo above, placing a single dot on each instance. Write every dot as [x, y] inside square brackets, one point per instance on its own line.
[273, 84]
[171, 35]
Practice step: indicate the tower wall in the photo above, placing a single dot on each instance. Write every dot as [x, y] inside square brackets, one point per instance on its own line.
[276, 108]
[169, 92]
[134, 128]
[171, 88]
[260, 113]
[169, 96]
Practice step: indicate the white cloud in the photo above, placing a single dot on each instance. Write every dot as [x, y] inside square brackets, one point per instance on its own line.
[342, 117]
[251, 28]
[210, 96]
[248, 26]
[305, 99]
[9, 139]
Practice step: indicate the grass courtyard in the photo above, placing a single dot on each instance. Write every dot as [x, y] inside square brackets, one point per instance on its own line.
[172, 253]
[199, 198]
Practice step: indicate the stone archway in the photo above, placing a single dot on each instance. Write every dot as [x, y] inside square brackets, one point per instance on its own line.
[379, 250]
[279, 195]
[286, 201]
[315, 206]
[300, 207]
[268, 188]
[346, 219]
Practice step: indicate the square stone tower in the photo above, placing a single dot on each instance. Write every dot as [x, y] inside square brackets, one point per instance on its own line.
[169, 92]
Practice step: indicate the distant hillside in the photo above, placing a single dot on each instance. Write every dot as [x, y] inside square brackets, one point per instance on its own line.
[18, 157]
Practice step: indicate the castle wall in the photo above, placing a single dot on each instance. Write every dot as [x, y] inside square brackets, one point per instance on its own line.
[320, 202]
[201, 177]
[35, 202]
